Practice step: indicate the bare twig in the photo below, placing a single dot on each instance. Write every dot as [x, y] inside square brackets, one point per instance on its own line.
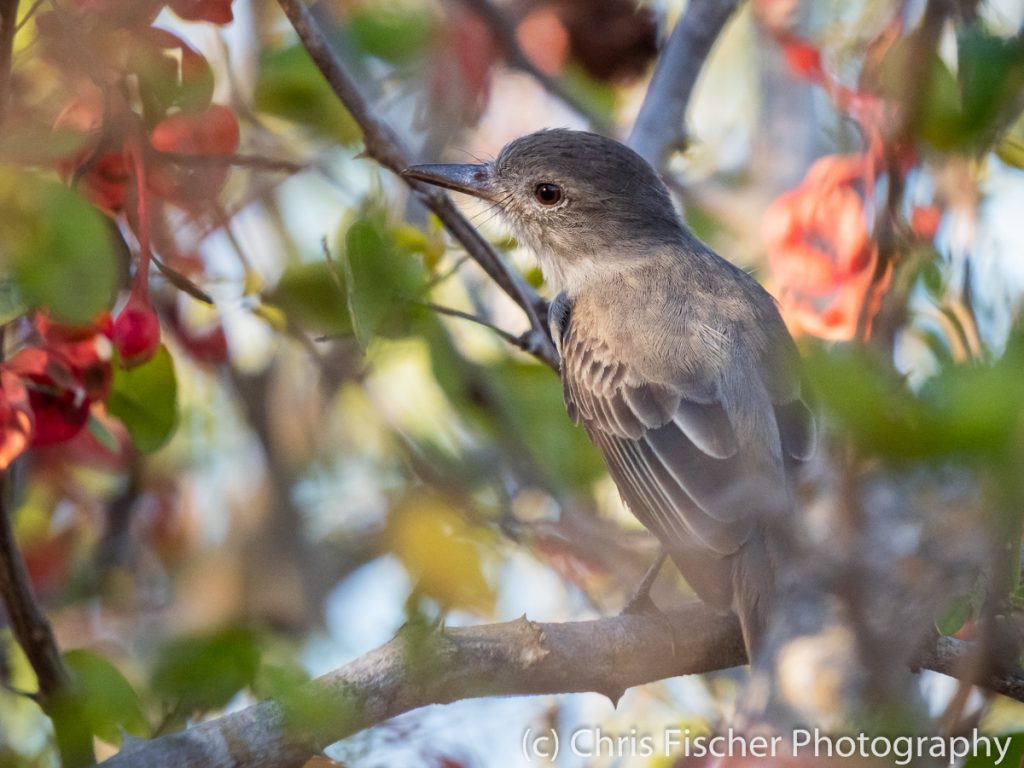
[256, 162]
[384, 146]
[513, 658]
[660, 126]
[8, 26]
[504, 32]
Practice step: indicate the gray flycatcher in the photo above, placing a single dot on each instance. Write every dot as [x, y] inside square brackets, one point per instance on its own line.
[676, 362]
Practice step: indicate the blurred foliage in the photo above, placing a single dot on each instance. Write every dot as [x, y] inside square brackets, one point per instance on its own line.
[443, 554]
[203, 672]
[395, 34]
[313, 296]
[107, 702]
[970, 412]
[291, 87]
[145, 399]
[56, 245]
[963, 111]
[335, 421]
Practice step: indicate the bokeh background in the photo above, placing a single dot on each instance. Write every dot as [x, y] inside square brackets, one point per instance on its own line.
[313, 456]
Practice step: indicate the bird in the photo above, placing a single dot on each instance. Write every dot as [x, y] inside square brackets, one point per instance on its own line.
[676, 362]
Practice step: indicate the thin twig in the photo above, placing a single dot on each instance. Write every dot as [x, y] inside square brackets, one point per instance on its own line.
[384, 146]
[660, 127]
[28, 15]
[504, 32]
[451, 312]
[256, 162]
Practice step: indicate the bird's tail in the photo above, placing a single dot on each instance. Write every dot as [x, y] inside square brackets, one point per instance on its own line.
[753, 588]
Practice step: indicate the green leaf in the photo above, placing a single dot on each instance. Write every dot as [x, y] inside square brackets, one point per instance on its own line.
[991, 77]
[290, 86]
[204, 673]
[310, 296]
[104, 697]
[56, 246]
[392, 34]
[965, 411]
[12, 304]
[1011, 151]
[102, 435]
[597, 97]
[954, 618]
[987, 758]
[534, 412]
[382, 281]
[145, 399]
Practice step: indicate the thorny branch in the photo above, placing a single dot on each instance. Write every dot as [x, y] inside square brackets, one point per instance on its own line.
[418, 668]
[384, 146]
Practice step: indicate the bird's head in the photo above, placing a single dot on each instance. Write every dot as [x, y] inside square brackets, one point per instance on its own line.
[572, 196]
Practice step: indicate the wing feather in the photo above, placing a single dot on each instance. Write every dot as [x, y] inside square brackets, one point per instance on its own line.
[675, 456]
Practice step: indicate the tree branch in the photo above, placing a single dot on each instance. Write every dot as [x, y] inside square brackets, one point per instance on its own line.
[28, 622]
[513, 658]
[384, 146]
[660, 127]
[8, 27]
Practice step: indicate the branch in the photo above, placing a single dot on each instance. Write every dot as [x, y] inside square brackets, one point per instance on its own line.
[29, 623]
[660, 127]
[513, 658]
[504, 32]
[8, 27]
[384, 146]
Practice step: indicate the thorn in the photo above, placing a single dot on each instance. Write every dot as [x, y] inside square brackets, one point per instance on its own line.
[614, 696]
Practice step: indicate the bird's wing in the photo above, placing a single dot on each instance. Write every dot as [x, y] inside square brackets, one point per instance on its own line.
[672, 449]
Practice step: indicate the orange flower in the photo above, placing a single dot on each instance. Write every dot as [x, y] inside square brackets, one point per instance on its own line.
[819, 250]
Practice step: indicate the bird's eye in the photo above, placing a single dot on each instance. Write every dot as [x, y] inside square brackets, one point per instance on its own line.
[548, 194]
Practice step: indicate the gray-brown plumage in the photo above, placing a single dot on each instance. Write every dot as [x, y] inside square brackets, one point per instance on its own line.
[676, 362]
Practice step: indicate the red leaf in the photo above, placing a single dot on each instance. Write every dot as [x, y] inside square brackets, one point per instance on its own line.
[15, 418]
[215, 11]
[59, 414]
[212, 132]
[104, 173]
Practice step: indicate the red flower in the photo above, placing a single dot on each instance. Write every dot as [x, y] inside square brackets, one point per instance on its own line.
[925, 220]
[822, 259]
[215, 11]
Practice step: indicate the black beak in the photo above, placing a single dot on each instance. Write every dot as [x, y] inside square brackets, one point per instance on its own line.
[472, 179]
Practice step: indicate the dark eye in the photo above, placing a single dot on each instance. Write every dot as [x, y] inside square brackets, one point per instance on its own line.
[548, 194]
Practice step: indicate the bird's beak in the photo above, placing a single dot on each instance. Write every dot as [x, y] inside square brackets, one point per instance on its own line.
[472, 179]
